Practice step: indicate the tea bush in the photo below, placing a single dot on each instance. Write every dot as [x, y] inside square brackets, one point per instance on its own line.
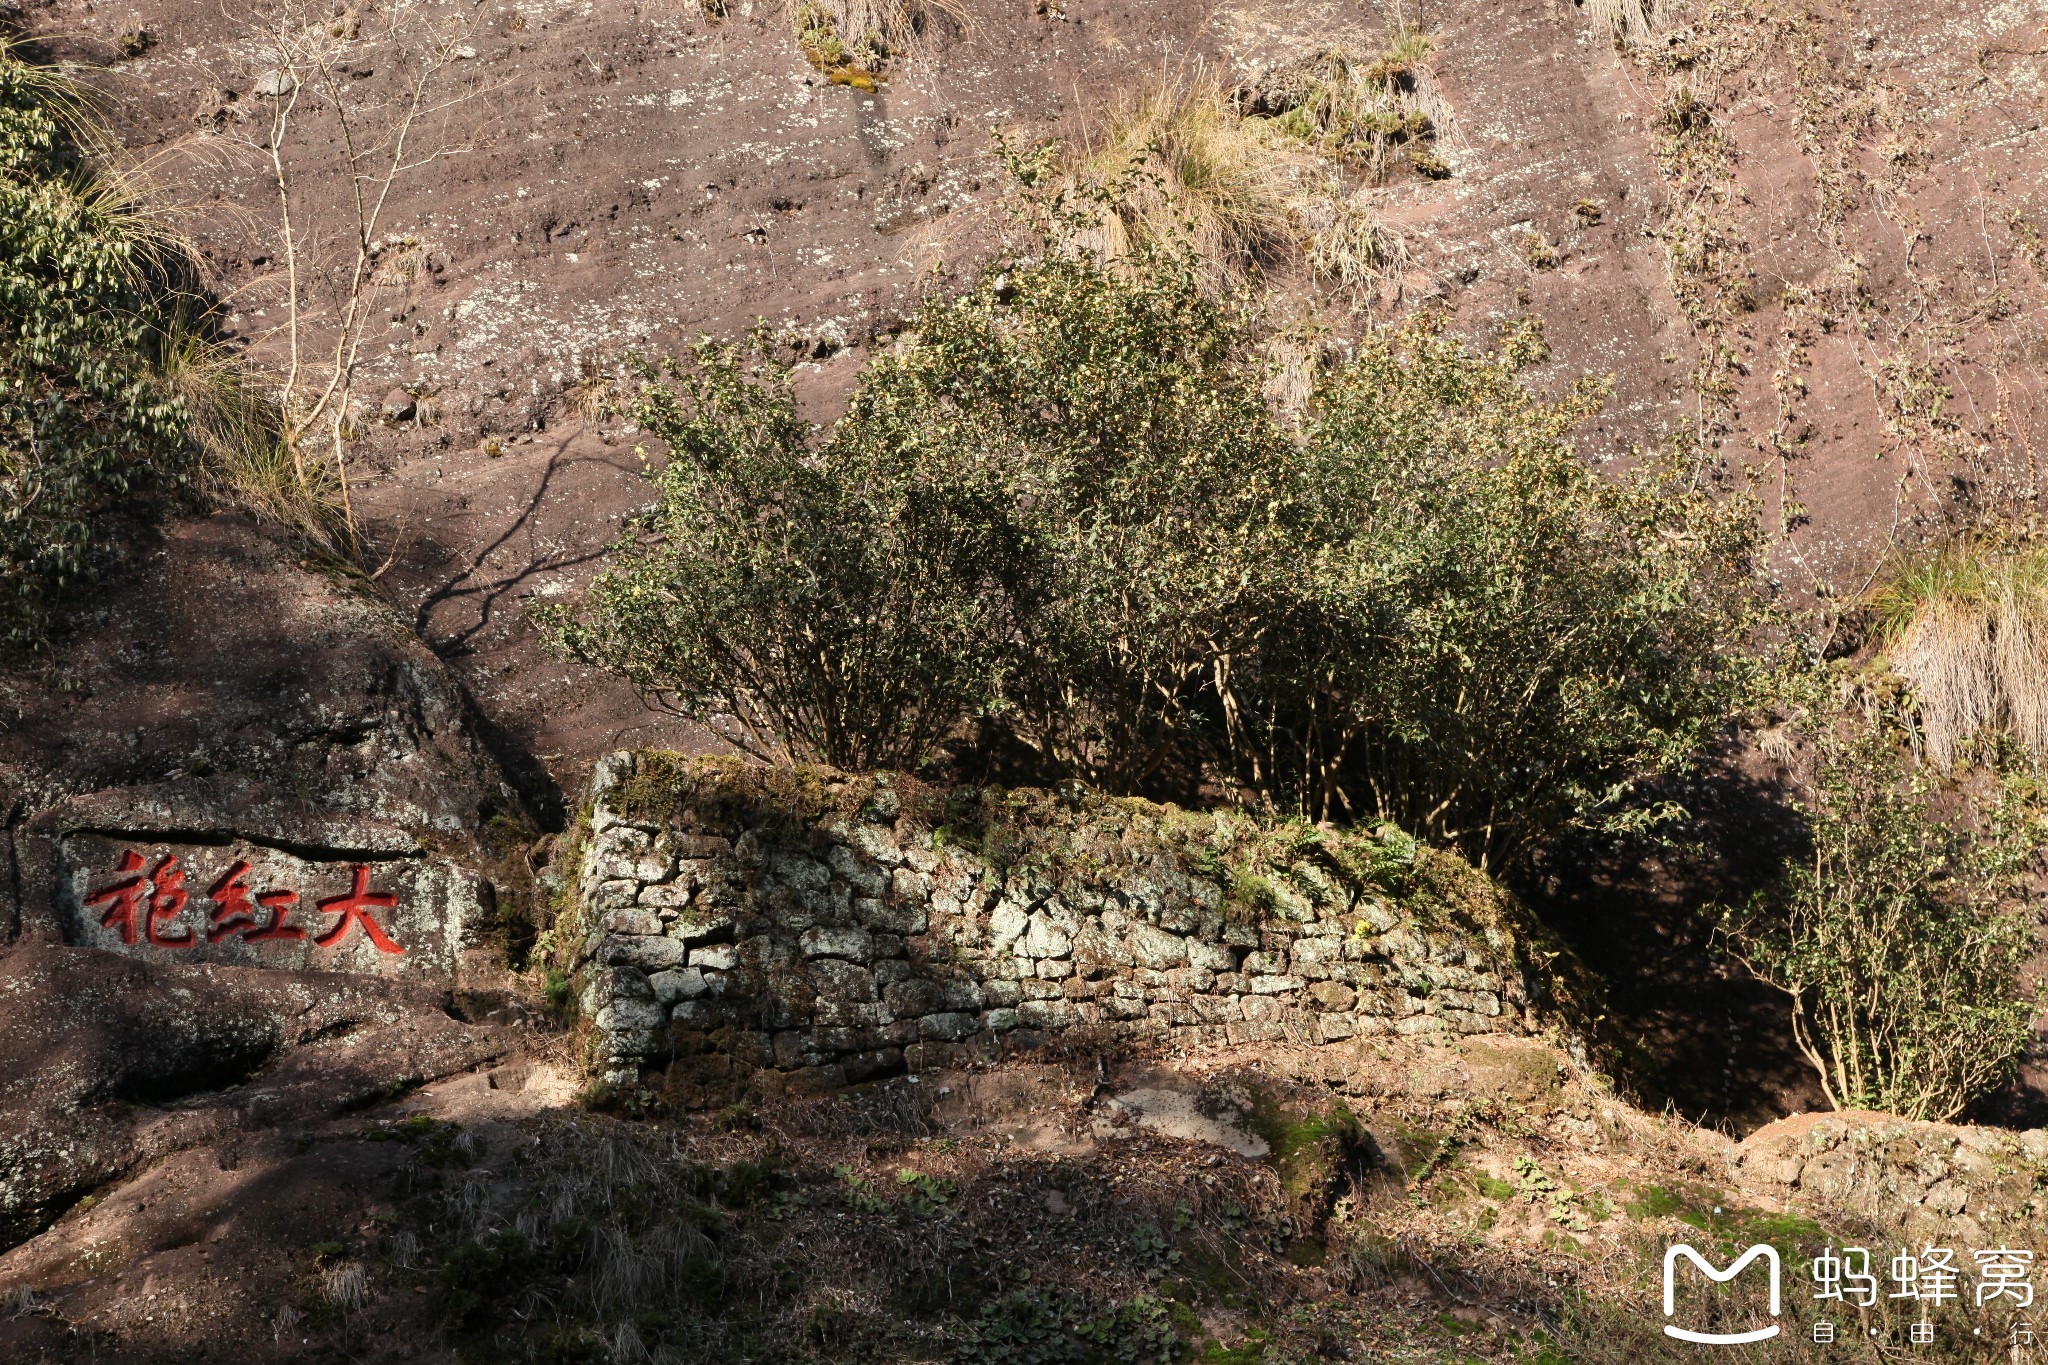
[1901, 939]
[1061, 510]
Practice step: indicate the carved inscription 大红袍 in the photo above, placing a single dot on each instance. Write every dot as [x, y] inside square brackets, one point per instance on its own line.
[151, 904]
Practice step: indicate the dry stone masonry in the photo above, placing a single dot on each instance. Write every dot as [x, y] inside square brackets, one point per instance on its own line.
[1935, 1182]
[740, 919]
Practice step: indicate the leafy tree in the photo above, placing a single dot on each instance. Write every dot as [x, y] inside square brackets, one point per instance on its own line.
[1900, 941]
[84, 281]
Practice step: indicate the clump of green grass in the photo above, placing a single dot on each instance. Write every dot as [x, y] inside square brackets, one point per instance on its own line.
[1309, 1150]
[1379, 115]
[1493, 1188]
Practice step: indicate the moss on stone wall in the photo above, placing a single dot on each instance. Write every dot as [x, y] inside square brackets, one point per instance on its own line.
[865, 923]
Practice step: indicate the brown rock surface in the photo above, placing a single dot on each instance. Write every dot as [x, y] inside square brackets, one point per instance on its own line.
[215, 697]
[1818, 237]
[108, 1064]
[213, 662]
[1812, 230]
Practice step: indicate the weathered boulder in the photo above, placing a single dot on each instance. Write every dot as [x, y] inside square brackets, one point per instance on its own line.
[1937, 1181]
[244, 866]
[220, 703]
[108, 1062]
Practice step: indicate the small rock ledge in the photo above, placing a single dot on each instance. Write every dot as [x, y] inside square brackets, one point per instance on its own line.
[735, 920]
[1933, 1182]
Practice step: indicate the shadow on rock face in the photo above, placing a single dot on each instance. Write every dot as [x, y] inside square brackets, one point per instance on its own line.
[1699, 1033]
[108, 1063]
[230, 767]
[216, 653]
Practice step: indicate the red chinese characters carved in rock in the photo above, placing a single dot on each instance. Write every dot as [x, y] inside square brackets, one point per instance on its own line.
[149, 902]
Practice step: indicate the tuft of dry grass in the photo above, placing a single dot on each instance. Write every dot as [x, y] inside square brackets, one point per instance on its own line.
[1345, 236]
[595, 395]
[1175, 160]
[1297, 354]
[345, 1285]
[240, 432]
[1261, 180]
[852, 40]
[1631, 23]
[1967, 629]
[2020, 662]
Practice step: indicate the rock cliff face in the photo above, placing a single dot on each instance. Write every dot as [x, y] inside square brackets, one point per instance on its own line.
[1810, 230]
[735, 919]
[245, 865]
[225, 707]
[109, 1064]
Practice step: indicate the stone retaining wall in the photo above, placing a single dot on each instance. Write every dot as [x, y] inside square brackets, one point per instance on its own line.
[1936, 1182]
[837, 928]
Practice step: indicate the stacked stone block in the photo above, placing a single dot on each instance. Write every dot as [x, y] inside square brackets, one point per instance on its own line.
[858, 945]
[1930, 1182]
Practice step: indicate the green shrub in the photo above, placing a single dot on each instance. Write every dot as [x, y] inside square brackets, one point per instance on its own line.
[1111, 429]
[1027, 1327]
[1062, 508]
[1483, 639]
[1900, 941]
[802, 603]
[84, 413]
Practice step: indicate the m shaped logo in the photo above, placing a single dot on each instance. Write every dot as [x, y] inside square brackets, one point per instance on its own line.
[1765, 1252]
